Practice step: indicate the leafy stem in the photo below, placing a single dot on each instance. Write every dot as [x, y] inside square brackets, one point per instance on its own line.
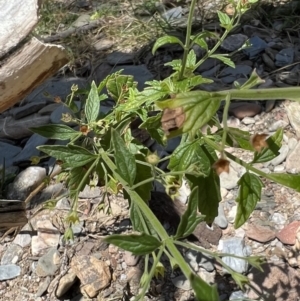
[151, 274]
[187, 39]
[224, 121]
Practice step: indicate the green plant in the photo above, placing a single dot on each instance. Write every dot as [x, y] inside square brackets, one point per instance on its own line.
[103, 149]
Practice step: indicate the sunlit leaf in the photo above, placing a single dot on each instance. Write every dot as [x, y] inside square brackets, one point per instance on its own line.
[166, 40]
[189, 153]
[124, 159]
[141, 244]
[92, 105]
[249, 194]
[194, 110]
[288, 180]
[223, 59]
[72, 155]
[56, 131]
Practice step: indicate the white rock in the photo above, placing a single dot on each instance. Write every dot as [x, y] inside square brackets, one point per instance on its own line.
[292, 143]
[229, 180]
[25, 182]
[248, 120]
[284, 150]
[278, 218]
[292, 161]
[279, 168]
[277, 125]
[293, 112]
[232, 214]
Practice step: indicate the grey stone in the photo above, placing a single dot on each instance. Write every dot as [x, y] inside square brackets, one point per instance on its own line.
[77, 228]
[172, 144]
[23, 239]
[234, 42]
[285, 57]
[9, 271]
[120, 58]
[238, 295]
[55, 87]
[47, 110]
[8, 152]
[235, 246]
[192, 257]
[26, 110]
[48, 193]
[43, 286]
[278, 219]
[25, 182]
[257, 46]
[65, 283]
[211, 72]
[173, 13]
[30, 148]
[12, 254]
[208, 65]
[90, 192]
[63, 204]
[283, 152]
[229, 74]
[268, 61]
[221, 220]
[206, 262]
[17, 129]
[182, 283]
[48, 264]
[103, 44]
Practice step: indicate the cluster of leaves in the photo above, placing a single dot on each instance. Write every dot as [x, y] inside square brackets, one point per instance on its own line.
[102, 149]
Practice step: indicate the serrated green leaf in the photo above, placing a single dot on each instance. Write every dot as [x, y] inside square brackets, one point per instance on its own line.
[198, 109]
[203, 291]
[137, 244]
[237, 138]
[124, 159]
[73, 155]
[75, 176]
[291, 181]
[223, 59]
[208, 194]
[190, 219]
[92, 105]
[189, 153]
[191, 59]
[153, 126]
[200, 39]
[175, 64]
[56, 131]
[118, 86]
[166, 40]
[249, 194]
[224, 19]
[272, 151]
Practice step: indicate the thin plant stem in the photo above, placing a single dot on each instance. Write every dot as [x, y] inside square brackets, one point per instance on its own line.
[187, 39]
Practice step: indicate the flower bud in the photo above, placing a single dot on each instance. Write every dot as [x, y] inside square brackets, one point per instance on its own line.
[153, 158]
[259, 142]
[221, 165]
